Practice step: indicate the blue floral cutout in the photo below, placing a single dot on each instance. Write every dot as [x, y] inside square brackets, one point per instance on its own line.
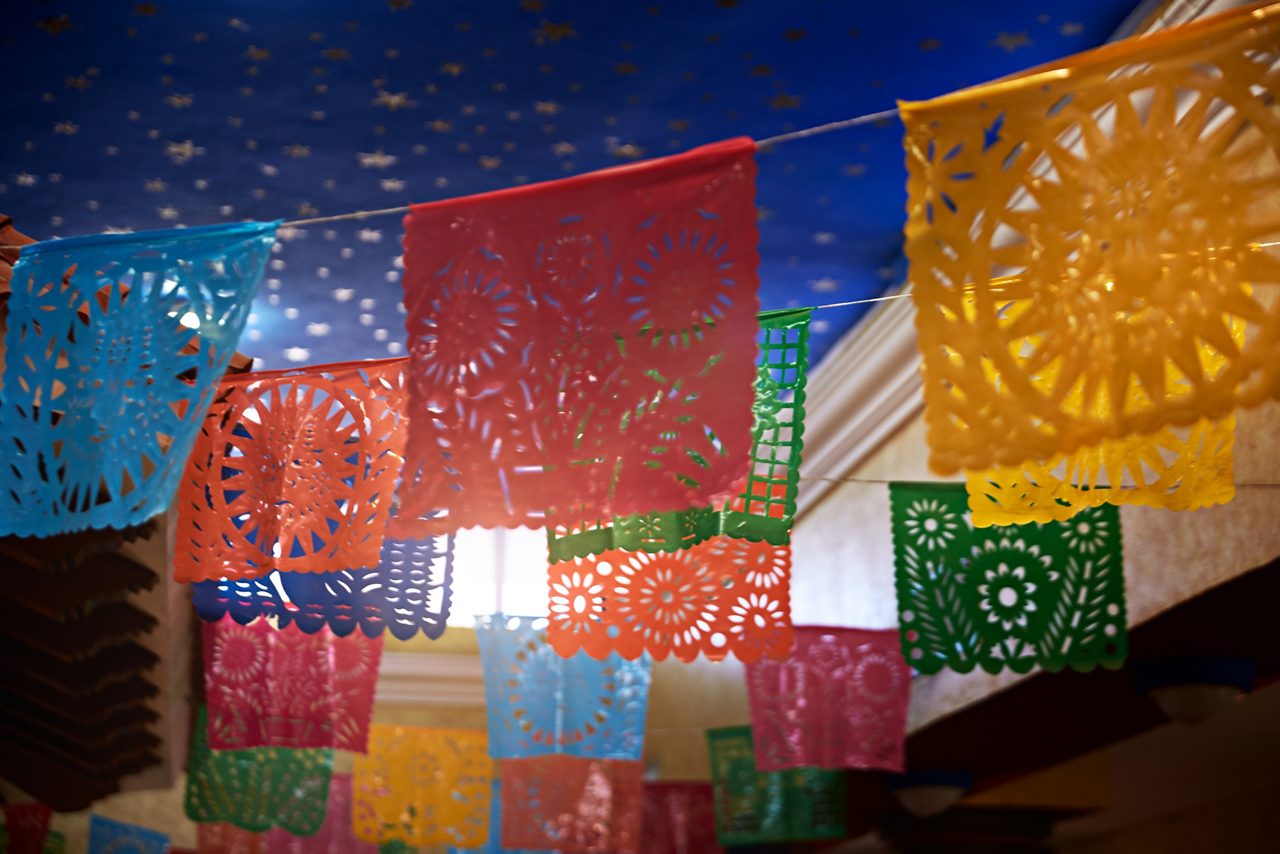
[494, 845]
[115, 347]
[108, 836]
[410, 591]
[539, 703]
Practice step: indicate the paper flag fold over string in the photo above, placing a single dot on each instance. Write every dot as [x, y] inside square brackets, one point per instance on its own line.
[754, 808]
[258, 788]
[1015, 597]
[1079, 234]
[583, 348]
[839, 701]
[410, 591]
[764, 505]
[679, 818]
[221, 838]
[27, 826]
[422, 787]
[716, 598]
[107, 836]
[494, 845]
[336, 836]
[280, 687]
[115, 346]
[539, 703]
[1176, 469]
[293, 470]
[570, 803]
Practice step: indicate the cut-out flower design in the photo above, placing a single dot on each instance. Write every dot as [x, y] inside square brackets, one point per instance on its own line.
[1088, 532]
[239, 656]
[1006, 573]
[577, 600]
[755, 612]
[930, 524]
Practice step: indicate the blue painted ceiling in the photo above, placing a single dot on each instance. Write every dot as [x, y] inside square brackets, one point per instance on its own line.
[122, 115]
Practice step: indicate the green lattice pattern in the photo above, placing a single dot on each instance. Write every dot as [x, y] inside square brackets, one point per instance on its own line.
[766, 506]
[754, 807]
[1005, 597]
[258, 788]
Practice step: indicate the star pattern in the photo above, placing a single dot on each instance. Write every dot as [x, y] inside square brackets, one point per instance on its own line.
[155, 115]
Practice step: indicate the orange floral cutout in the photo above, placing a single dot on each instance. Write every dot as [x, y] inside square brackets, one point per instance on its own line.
[423, 787]
[293, 471]
[1081, 234]
[718, 597]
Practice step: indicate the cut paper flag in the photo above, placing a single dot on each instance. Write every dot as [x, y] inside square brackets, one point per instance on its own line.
[222, 838]
[409, 592]
[571, 803]
[1176, 469]
[423, 787]
[764, 505]
[27, 826]
[1081, 235]
[1011, 597]
[839, 701]
[709, 580]
[679, 818]
[55, 843]
[754, 808]
[724, 596]
[539, 703]
[336, 836]
[582, 348]
[281, 687]
[494, 845]
[294, 471]
[258, 788]
[108, 836]
[115, 345]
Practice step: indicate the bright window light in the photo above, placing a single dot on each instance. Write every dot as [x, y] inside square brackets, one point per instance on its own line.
[481, 557]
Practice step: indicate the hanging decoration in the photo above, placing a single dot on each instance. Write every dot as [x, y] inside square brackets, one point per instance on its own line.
[494, 845]
[222, 838]
[27, 826]
[539, 703]
[1175, 469]
[571, 803]
[422, 787]
[108, 836]
[336, 836]
[293, 470]
[709, 580]
[764, 505]
[409, 592]
[281, 687]
[753, 807]
[582, 348]
[115, 345]
[679, 818]
[1017, 597]
[55, 843]
[716, 598]
[839, 701]
[1067, 297]
[258, 788]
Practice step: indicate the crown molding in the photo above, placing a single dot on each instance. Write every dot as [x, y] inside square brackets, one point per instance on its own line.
[862, 393]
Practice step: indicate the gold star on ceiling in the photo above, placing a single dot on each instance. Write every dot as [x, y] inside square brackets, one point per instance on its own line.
[554, 32]
[625, 68]
[1009, 42]
[148, 9]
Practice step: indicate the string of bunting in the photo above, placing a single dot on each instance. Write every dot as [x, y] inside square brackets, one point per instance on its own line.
[588, 357]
